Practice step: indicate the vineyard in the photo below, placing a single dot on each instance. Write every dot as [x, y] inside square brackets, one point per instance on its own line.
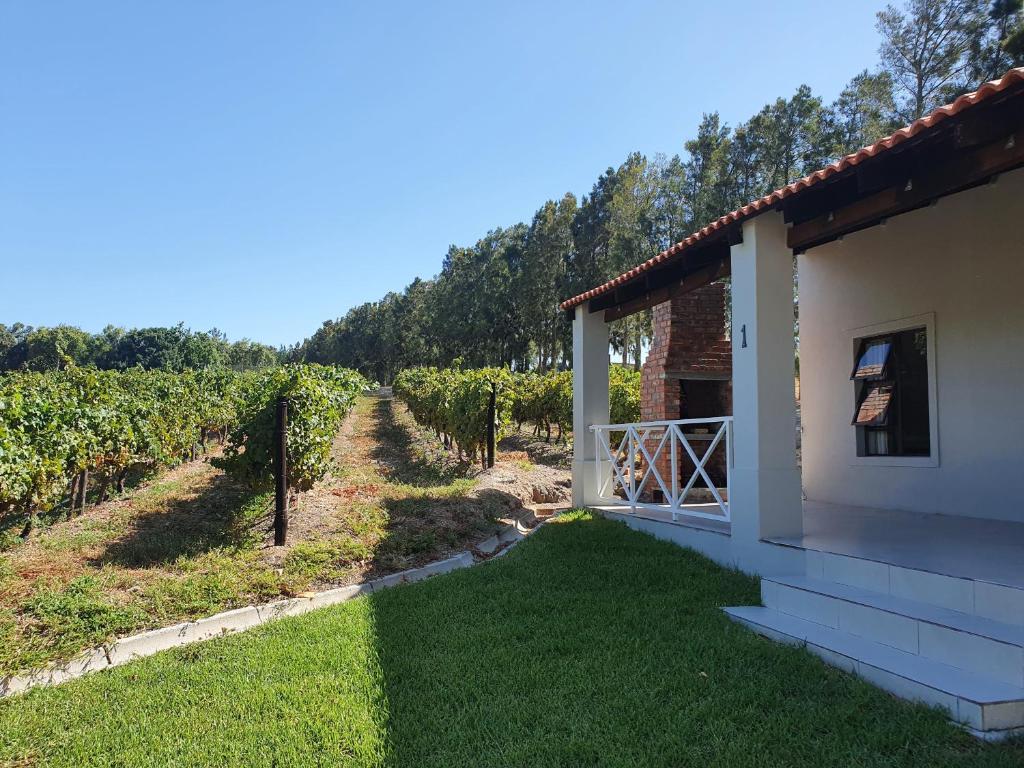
[64, 432]
[454, 403]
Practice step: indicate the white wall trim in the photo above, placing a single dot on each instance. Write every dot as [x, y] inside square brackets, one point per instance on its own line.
[926, 321]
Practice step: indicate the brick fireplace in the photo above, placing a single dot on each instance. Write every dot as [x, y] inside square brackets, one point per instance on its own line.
[688, 373]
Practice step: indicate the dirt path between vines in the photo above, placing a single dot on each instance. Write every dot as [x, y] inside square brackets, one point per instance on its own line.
[400, 494]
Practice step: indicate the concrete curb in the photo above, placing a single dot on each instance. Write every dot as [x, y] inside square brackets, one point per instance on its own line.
[237, 620]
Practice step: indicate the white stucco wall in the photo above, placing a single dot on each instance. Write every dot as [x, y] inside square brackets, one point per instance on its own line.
[962, 260]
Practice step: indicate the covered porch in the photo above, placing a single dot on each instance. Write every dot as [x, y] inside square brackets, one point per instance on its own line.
[732, 466]
[890, 243]
[893, 546]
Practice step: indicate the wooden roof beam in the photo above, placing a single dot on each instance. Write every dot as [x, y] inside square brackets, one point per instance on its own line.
[967, 170]
[693, 281]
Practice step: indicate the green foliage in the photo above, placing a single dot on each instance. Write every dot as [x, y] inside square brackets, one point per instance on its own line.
[319, 397]
[623, 395]
[168, 349]
[78, 615]
[56, 424]
[454, 403]
[544, 399]
[325, 560]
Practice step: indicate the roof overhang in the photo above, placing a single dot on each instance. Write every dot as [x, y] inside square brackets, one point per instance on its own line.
[959, 146]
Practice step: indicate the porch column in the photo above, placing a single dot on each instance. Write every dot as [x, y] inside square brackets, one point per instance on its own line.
[589, 399]
[766, 481]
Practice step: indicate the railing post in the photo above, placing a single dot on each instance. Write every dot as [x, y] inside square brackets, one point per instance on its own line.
[675, 500]
[728, 469]
[632, 453]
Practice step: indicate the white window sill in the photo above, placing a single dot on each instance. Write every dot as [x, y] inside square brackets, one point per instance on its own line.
[895, 461]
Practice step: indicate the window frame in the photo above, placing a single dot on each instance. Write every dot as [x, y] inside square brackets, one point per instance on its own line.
[856, 338]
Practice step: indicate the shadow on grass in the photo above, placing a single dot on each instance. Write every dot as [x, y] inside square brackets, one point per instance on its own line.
[401, 462]
[223, 514]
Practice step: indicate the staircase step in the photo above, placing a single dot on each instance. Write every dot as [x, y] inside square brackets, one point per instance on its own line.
[1011, 634]
[985, 646]
[990, 708]
[1000, 602]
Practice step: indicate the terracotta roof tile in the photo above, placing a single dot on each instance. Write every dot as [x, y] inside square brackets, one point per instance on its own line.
[986, 91]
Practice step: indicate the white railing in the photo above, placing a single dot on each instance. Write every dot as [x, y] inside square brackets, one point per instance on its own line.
[630, 473]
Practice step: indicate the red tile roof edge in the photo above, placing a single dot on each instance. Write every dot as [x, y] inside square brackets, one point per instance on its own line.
[986, 91]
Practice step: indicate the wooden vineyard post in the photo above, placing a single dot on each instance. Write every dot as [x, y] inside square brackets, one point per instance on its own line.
[281, 473]
[491, 416]
[83, 487]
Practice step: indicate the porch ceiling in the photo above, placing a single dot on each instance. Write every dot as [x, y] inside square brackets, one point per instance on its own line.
[959, 146]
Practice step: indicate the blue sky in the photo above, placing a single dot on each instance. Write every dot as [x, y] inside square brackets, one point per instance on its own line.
[263, 166]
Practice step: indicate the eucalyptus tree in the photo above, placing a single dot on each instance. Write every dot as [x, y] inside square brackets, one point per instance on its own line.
[925, 49]
[542, 277]
[864, 112]
[998, 44]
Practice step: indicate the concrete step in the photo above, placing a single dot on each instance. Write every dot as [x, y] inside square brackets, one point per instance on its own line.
[991, 709]
[1000, 602]
[985, 646]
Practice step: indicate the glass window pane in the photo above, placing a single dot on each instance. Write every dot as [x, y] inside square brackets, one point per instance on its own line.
[873, 410]
[911, 363]
[874, 358]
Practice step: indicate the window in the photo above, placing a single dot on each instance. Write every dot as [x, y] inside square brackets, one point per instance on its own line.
[890, 375]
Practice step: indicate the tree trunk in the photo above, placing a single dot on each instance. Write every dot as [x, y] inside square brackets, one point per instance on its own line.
[120, 479]
[102, 495]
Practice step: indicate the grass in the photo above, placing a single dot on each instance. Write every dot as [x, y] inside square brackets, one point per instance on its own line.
[588, 645]
[191, 542]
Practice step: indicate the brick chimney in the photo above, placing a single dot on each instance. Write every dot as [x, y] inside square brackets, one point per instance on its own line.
[688, 372]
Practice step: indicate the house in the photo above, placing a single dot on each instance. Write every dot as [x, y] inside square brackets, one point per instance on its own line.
[894, 546]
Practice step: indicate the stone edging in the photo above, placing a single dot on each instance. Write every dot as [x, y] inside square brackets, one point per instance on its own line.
[240, 619]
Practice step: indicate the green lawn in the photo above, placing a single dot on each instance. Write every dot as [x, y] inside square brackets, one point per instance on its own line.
[588, 645]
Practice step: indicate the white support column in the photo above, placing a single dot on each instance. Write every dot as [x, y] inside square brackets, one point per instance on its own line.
[589, 399]
[766, 480]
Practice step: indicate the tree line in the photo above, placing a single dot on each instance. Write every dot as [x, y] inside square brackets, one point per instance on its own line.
[23, 347]
[494, 303]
